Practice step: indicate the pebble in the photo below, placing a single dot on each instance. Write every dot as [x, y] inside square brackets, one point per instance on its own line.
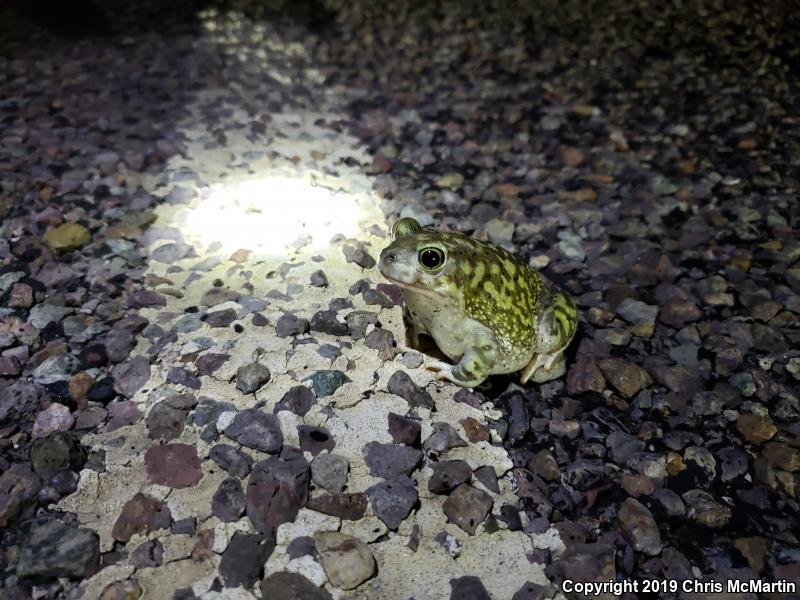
[468, 587]
[639, 527]
[358, 321]
[319, 279]
[18, 486]
[389, 460]
[348, 562]
[358, 254]
[392, 500]
[404, 430]
[292, 586]
[290, 325]
[467, 507]
[350, 507]
[130, 376]
[326, 382]
[67, 237]
[277, 488]
[326, 321]
[20, 398]
[250, 378]
[173, 465]
[447, 475]
[229, 501]
[755, 429]
[56, 452]
[642, 316]
[243, 560]
[401, 384]
[628, 379]
[704, 510]
[55, 417]
[256, 429]
[232, 460]
[315, 439]
[329, 471]
[43, 314]
[56, 368]
[54, 549]
[299, 400]
[443, 438]
[220, 318]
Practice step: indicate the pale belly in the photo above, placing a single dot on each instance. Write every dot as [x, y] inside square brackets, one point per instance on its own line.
[445, 324]
[455, 333]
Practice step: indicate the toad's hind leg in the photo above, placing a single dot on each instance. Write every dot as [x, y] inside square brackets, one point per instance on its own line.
[557, 327]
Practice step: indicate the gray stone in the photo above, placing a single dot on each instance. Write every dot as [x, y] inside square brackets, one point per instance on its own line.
[221, 318]
[56, 368]
[319, 279]
[256, 429]
[292, 586]
[229, 501]
[20, 398]
[468, 587]
[277, 488]
[315, 439]
[54, 550]
[443, 438]
[232, 460]
[244, 558]
[404, 430]
[330, 472]
[130, 376]
[299, 400]
[448, 475]
[392, 500]
[54, 453]
[358, 321]
[18, 486]
[325, 321]
[401, 384]
[637, 312]
[670, 502]
[250, 378]
[171, 253]
[166, 418]
[389, 460]
[218, 295]
[43, 314]
[289, 325]
[703, 509]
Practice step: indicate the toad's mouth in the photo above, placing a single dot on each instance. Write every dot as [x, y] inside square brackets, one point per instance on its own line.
[417, 289]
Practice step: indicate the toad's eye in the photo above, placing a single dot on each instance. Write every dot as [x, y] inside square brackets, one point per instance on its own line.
[431, 259]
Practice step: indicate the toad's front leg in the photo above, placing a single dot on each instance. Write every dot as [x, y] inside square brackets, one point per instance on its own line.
[471, 370]
[476, 363]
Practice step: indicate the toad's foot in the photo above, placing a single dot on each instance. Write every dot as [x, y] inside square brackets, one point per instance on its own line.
[544, 367]
[469, 372]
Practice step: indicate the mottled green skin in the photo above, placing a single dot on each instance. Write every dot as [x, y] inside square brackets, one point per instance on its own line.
[483, 308]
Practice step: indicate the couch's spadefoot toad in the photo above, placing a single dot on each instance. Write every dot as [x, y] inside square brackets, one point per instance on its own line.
[484, 309]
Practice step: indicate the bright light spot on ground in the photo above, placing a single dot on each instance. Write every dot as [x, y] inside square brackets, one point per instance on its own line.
[269, 215]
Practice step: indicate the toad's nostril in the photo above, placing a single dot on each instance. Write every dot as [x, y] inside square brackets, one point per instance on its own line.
[391, 257]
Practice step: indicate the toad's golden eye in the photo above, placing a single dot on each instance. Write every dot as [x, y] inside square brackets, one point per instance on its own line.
[431, 259]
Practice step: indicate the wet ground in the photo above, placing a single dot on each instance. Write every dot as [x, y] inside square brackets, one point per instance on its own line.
[205, 387]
